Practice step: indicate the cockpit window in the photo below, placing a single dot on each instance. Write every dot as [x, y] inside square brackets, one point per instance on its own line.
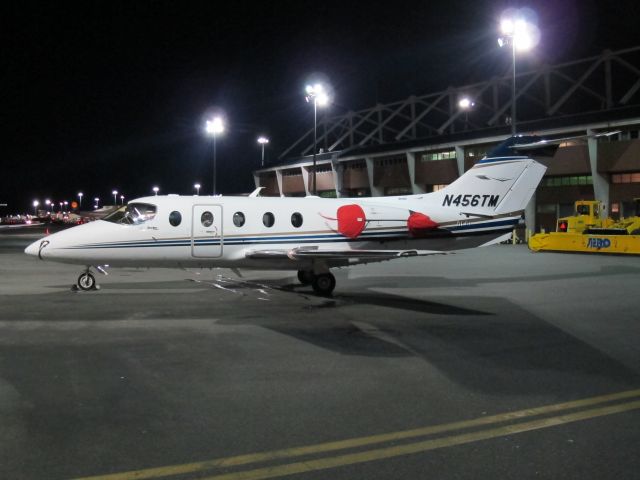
[132, 214]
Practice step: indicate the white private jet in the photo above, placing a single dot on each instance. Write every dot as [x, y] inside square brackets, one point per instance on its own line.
[310, 235]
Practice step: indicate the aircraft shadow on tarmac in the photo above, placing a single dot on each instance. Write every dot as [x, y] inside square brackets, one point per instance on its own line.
[487, 344]
[499, 347]
[510, 352]
[422, 281]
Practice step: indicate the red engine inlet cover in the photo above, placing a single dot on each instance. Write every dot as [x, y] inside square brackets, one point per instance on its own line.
[351, 220]
[418, 223]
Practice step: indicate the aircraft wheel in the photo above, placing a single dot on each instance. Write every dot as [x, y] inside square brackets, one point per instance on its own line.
[324, 284]
[305, 277]
[86, 281]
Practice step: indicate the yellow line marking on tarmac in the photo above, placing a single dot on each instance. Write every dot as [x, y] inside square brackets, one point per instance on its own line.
[364, 441]
[420, 447]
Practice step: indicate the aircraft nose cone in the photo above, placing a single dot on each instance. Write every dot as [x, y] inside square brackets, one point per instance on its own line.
[36, 248]
[32, 249]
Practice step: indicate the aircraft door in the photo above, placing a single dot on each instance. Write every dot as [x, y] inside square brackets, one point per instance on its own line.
[206, 231]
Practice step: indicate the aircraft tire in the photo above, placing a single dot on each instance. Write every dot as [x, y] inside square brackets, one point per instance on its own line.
[324, 284]
[305, 277]
[86, 281]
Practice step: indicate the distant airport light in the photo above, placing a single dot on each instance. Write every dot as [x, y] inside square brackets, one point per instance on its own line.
[97, 200]
[80, 194]
[197, 187]
[156, 190]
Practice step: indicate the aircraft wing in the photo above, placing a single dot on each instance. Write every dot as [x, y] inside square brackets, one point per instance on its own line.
[356, 255]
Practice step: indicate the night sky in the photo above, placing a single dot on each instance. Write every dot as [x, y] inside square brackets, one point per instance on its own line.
[113, 95]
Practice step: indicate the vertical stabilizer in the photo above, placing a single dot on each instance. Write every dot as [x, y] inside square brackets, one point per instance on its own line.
[494, 186]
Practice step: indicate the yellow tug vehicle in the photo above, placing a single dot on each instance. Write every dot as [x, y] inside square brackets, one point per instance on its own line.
[586, 232]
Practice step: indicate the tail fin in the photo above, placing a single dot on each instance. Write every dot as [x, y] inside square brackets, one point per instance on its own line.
[494, 186]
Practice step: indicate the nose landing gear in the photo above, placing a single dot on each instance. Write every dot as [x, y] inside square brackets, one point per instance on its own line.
[86, 280]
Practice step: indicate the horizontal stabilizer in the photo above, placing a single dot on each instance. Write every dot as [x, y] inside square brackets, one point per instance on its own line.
[543, 143]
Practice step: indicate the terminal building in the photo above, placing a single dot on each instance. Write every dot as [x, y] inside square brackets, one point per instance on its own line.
[424, 143]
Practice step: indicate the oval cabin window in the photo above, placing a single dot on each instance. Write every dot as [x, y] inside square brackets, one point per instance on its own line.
[206, 219]
[268, 219]
[238, 219]
[175, 218]
[296, 220]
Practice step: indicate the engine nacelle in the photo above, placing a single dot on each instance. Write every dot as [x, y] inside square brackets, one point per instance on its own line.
[420, 224]
[353, 219]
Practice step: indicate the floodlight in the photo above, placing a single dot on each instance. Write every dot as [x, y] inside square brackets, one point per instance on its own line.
[507, 26]
[215, 126]
[465, 103]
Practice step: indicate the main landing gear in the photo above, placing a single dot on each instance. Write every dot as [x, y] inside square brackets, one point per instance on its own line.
[322, 283]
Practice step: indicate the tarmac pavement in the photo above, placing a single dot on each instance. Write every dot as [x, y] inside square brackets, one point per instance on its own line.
[487, 363]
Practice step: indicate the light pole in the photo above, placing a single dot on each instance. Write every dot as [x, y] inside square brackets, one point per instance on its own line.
[80, 194]
[121, 199]
[156, 190]
[213, 128]
[519, 34]
[35, 207]
[318, 95]
[465, 105]
[197, 187]
[66, 206]
[115, 197]
[97, 200]
[262, 141]
[47, 202]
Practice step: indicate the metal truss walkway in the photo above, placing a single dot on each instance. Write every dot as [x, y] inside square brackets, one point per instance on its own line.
[606, 83]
